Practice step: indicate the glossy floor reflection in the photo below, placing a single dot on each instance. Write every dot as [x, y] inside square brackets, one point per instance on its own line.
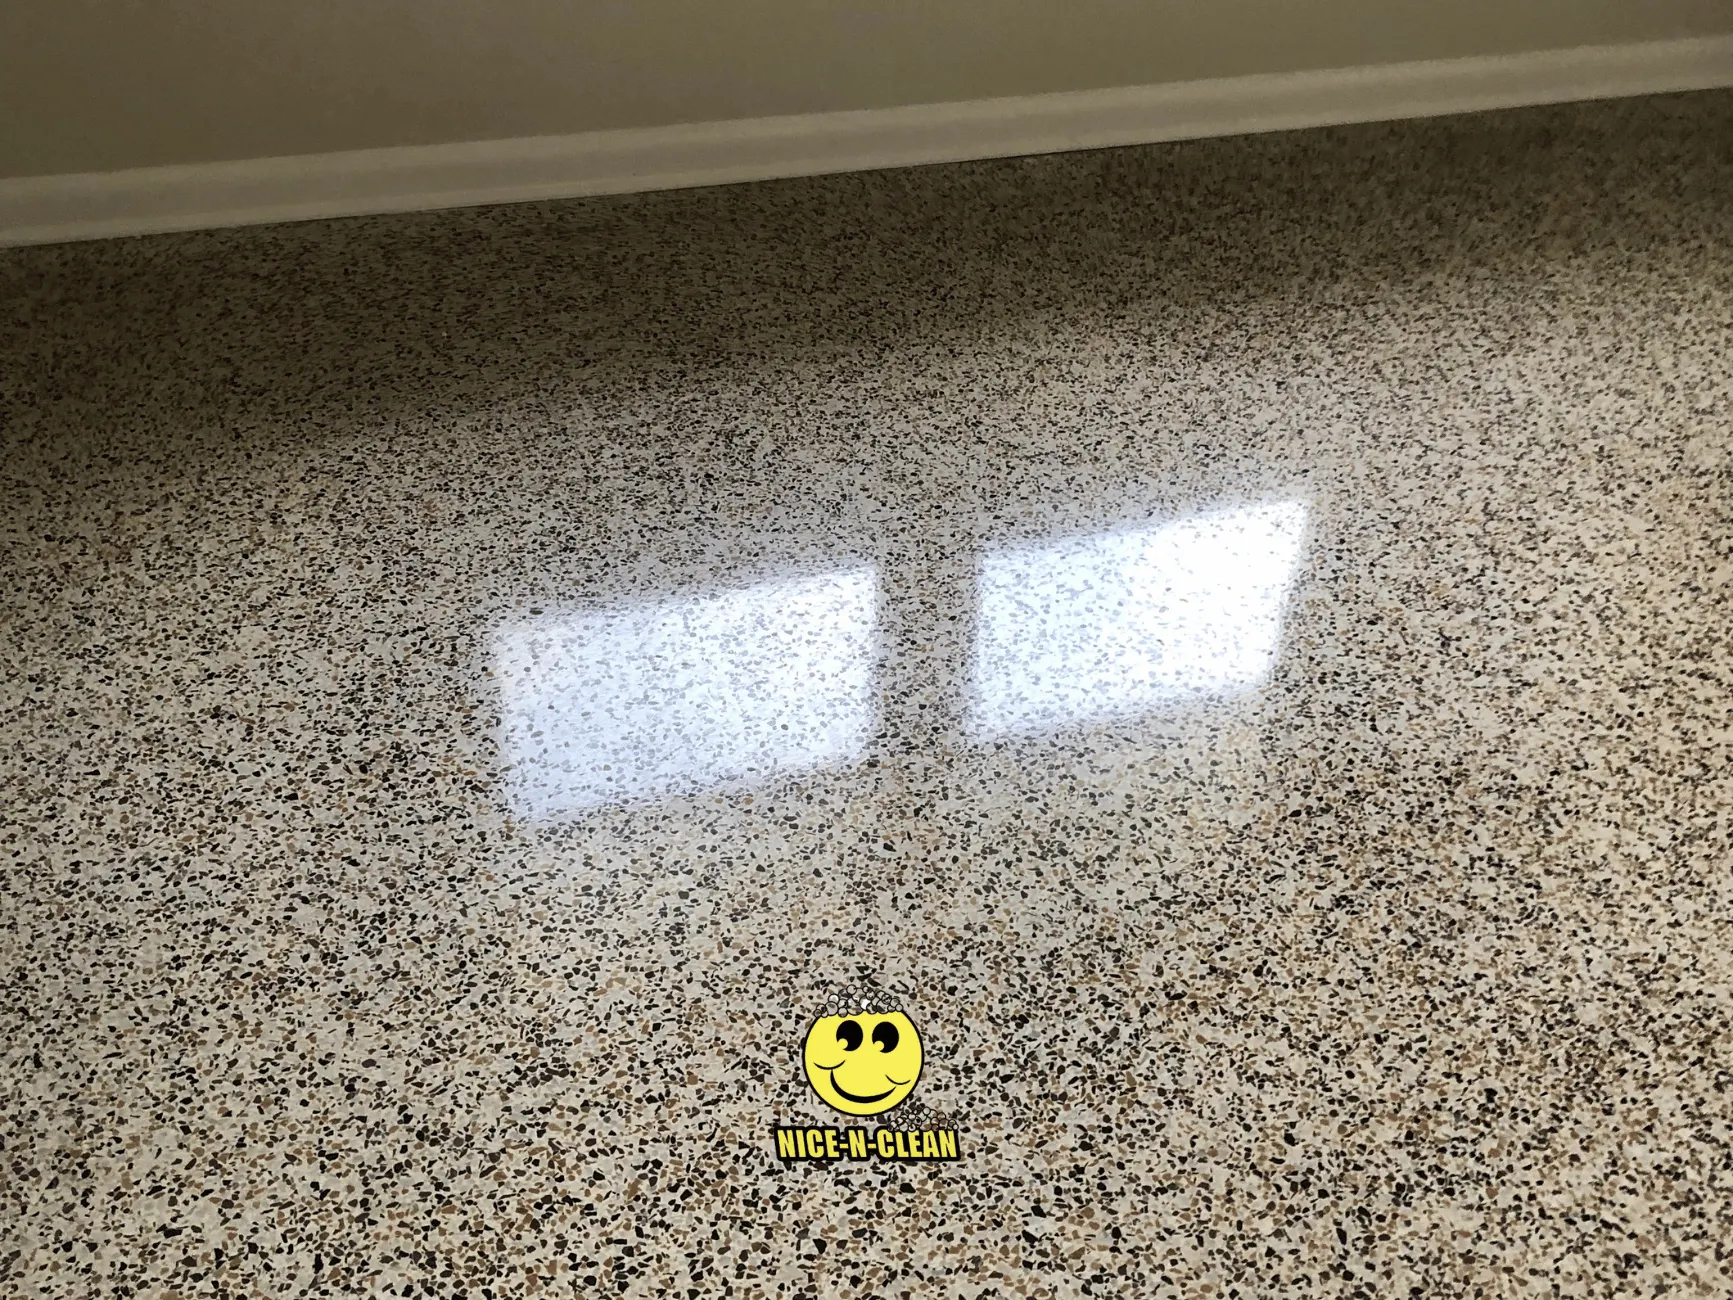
[1121, 623]
[688, 694]
[1230, 637]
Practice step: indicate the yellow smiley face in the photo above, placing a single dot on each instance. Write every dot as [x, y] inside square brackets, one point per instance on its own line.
[863, 1065]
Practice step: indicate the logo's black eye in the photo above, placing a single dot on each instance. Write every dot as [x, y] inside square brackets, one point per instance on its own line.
[849, 1035]
[886, 1037]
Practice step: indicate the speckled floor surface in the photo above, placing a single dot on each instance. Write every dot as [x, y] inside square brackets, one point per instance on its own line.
[1233, 637]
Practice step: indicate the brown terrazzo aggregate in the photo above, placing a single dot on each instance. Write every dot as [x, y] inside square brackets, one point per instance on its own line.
[1234, 636]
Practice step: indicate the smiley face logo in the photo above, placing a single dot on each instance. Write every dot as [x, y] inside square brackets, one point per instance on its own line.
[863, 1063]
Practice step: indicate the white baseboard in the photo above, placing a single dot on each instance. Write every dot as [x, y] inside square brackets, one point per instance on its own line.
[94, 205]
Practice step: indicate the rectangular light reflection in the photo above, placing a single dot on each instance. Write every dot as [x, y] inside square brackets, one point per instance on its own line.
[687, 694]
[1120, 623]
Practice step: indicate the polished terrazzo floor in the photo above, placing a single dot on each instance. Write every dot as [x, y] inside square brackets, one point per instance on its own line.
[1234, 639]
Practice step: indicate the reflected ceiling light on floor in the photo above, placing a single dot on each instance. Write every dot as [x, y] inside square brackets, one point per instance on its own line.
[1121, 623]
[688, 694]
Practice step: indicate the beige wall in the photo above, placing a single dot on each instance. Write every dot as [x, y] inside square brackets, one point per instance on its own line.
[98, 84]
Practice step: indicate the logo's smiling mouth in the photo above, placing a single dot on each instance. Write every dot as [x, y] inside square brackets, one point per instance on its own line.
[857, 1099]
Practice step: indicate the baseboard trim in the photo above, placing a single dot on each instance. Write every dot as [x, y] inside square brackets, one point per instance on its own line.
[95, 205]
